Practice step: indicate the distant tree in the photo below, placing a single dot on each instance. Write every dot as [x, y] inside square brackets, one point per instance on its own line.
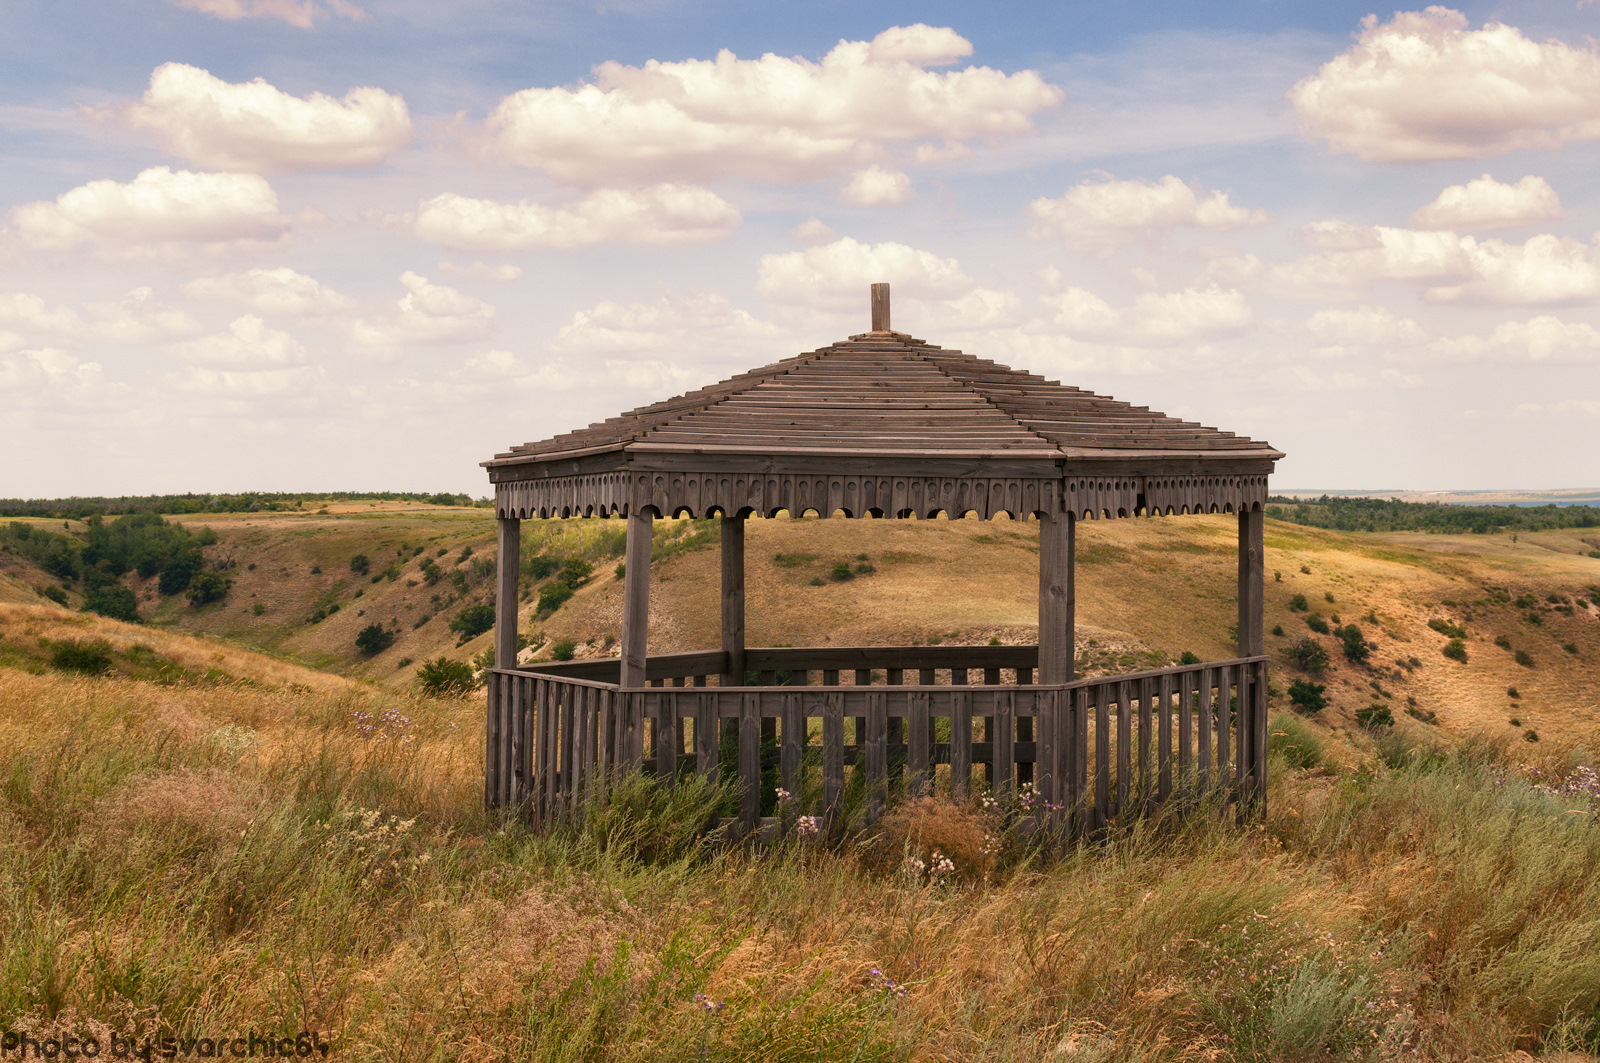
[113, 600]
[1308, 654]
[374, 639]
[1308, 697]
[1356, 646]
[55, 594]
[360, 564]
[444, 678]
[208, 587]
[473, 621]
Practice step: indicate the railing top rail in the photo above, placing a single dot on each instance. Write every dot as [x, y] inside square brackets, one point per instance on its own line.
[569, 680]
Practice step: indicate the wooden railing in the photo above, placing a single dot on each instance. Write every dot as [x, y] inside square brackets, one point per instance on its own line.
[1082, 755]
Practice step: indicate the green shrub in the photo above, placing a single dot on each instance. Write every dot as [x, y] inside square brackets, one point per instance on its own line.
[841, 571]
[563, 649]
[793, 560]
[1328, 595]
[258, 608]
[473, 621]
[90, 658]
[1189, 657]
[1445, 627]
[540, 566]
[208, 587]
[1512, 692]
[1298, 604]
[1456, 650]
[55, 593]
[1308, 654]
[113, 600]
[444, 678]
[1523, 659]
[552, 596]
[360, 564]
[1308, 697]
[1570, 647]
[374, 639]
[1356, 647]
[430, 571]
[1317, 624]
[1375, 716]
[1277, 629]
[1503, 642]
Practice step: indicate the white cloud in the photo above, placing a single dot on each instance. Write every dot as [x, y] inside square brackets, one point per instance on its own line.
[1423, 86]
[1568, 407]
[1542, 340]
[773, 118]
[1102, 216]
[301, 13]
[156, 210]
[26, 319]
[247, 386]
[1484, 203]
[701, 323]
[482, 271]
[665, 214]
[1364, 326]
[838, 276]
[812, 231]
[247, 345]
[46, 367]
[1164, 319]
[255, 126]
[1542, 271]
[280, 291]
[877, 187]
[427, 314]
[139, 318]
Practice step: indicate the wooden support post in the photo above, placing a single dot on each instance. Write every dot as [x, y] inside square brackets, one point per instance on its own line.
[880, 308]
[508, 562]
[733, 601]
[636, 598]
[1056, 597]
[1252, 586]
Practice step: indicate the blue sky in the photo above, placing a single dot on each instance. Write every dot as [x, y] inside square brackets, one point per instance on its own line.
[345, 244]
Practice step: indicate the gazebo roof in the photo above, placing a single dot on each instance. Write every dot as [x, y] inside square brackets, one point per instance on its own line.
[889, 394]
[884, 424]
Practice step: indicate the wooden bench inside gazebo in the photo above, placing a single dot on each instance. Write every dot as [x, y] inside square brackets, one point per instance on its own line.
[882, 426]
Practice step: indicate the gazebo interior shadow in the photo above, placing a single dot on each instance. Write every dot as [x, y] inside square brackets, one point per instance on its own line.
[882, 426]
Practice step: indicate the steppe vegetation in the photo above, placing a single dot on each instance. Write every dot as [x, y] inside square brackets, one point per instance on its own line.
[195, 837]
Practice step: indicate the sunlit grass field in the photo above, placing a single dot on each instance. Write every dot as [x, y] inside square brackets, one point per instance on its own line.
[201, 855]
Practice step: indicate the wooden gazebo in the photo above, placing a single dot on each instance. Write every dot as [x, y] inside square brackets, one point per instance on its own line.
[881, 425]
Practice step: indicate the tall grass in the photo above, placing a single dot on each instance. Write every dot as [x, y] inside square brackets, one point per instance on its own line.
[209, 858]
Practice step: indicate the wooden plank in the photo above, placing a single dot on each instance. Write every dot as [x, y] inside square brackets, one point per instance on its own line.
[1164, 738]
[880, 308]
[925, 676]
[732, 540]
[832, 752]
[491, 742]
[1124, 745]
[636, 600]
[1042, 730]
[750, 760]
[1259, 704]
[549, 727]
[960, 744]
[1204, 726]
[1102, 755]
[1252, 586]
[919, 765]
[877, 755]
[1078, 770]
[507, 572]
[1224, 724]
[706, 731]
[830, 677]
[568, 751]
[580, 722]
[867, 658]
[794, 743]
[666, 736]
[1146, 777]
[863, 677]
[1004, 758]
[1186, 688]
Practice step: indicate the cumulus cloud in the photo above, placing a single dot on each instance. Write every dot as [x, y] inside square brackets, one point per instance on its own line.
[482, 271]
[665, 214]
[837, 276]
[1155, 319]
[46, 367]
[702, 323]
[26, 319]
[255, 126]
[1363, 326]
[427, 314]
[1543, 271]
[247, 386]
[812, 231]
[1423, 86]
[155, 211]
[302, 13]
[139, 318]
[1543, 340]
[278, 292]
[773, 118]
[247, 345]
[1484, 203]
[1566, 408]
[876, 187]
[1102, 216]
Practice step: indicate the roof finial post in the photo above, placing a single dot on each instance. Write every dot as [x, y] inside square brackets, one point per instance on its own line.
[880, 308]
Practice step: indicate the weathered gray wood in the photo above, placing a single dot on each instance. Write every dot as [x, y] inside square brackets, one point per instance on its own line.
[1004, 757]
[1057, 541]
[1102, 754]
[667, 737]
[1124, 744]
[1186, 688]
[1146, 777]
[508, 563]
[1164, 738]
[636, 600]
[1225, 772]
[493, 740]
[794, 743]
[1259, 704]
[733, 597]
[877, 755]
[919, 764]
[705, 735]
[832, 752]
[880, 308]
[868, 658]
[1078, 771]
[960, 745]
[1252, 585]
[1205, 725]
[750, 761]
